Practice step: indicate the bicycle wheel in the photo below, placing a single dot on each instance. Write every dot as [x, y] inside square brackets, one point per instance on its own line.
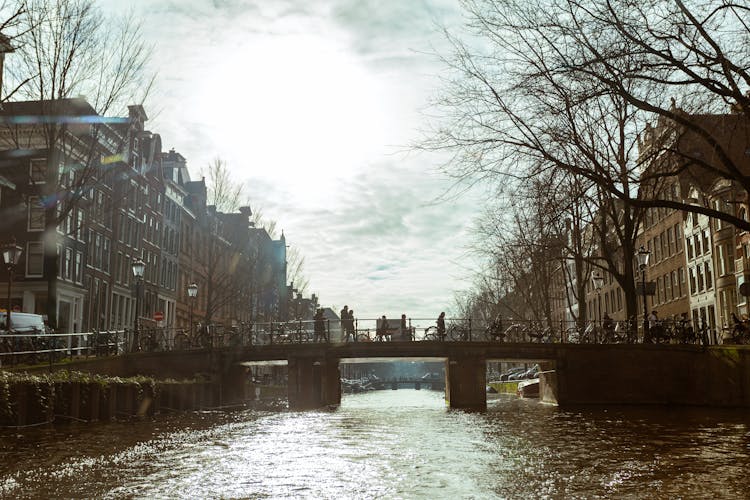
[363, 336]
[456, 333]
[181, 341]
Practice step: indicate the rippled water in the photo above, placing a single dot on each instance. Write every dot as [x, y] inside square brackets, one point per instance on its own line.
[389, 444]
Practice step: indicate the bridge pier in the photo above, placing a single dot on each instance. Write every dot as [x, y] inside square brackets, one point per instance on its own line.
[313, 382]
[466, 382]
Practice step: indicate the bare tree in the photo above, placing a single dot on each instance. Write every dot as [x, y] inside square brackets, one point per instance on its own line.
[223, 192]
[67, 49]
[551, 78]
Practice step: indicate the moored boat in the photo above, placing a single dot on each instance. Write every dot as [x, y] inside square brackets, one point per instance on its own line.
[528, 388]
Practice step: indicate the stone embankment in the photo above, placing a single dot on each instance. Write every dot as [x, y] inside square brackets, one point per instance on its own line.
[63, 396]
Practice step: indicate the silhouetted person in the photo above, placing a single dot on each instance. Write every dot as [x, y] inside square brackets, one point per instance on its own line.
[441, 325]
[344, 315]
[609, 328]
[350, 331]
[381, 330]
[405, 333]
[654, 328]
[319, 326]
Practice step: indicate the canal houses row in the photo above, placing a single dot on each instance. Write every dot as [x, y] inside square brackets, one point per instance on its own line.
[85, 204]
[697, 264]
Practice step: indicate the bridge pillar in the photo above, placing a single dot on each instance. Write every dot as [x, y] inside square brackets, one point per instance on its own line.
[313, 382]
[466, 382]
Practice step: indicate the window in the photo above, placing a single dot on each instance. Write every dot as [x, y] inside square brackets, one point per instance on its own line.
[670, 242]
[36, 214]
[677, 236]
[79, 267]
[706, 239]
[659, 295]
[668, 287]
[699, 274]
[709, 277]
[105, 254]
[68, 265]
[675, 286]
[693, 288]
[689, 244]
[34, 258]
[720, 260]
[657, 248]
[38, 171]
[697, 243]
[681, 274]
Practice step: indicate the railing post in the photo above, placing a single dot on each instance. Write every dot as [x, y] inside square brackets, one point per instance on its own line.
[50, 355]
[469, 329]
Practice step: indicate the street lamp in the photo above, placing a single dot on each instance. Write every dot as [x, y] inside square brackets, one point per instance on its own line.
[643, 256]
[598, 282]
[192, 293]
[11, 255]
[139, 267]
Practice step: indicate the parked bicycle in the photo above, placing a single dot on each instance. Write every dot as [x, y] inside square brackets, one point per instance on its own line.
[431, 334]
[459, 333]
[739, 333]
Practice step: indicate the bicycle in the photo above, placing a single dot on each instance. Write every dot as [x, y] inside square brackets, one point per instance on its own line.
[545, 336]
[431, 334]
[152, 340]
[738, 334]
[458, 333]
[494, 333]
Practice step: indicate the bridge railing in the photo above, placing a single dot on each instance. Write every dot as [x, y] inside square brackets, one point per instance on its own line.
[44, 347]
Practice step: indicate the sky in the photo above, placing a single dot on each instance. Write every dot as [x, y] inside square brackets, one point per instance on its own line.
[314, 104]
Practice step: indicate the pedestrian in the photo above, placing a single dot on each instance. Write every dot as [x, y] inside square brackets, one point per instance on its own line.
[381, 330]
[608, 326]
[653, 328]
[344, 315]
[405, 333]
[350, 330]
[319, 326]
[441, 325]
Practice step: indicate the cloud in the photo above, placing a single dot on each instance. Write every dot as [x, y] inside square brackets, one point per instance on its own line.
[309, 102]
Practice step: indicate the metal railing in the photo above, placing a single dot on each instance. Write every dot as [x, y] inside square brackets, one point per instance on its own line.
[37, 347]
[41, 347]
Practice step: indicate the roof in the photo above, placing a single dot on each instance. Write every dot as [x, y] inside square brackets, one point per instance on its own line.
[77, 106]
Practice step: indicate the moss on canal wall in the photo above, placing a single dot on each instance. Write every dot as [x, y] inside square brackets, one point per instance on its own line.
[509, 387]
[65, 396]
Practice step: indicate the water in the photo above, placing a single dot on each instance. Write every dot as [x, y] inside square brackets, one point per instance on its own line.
[389, 444]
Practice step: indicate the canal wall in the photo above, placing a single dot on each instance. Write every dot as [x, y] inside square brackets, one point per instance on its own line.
[27, 400]
[716, 376]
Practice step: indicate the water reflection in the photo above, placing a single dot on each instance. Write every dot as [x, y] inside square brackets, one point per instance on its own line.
[393, 444]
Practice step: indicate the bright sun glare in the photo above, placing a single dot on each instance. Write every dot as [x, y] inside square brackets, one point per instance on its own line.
[304, 109]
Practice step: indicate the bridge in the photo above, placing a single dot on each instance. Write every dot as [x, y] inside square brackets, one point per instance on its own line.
[573, 373]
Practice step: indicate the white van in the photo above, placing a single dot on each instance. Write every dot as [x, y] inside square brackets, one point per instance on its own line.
[23, 322]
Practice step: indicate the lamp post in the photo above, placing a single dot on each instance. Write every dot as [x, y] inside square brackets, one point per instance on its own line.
[11, 255]
[643, 256]
[192, 294]
[138, 269]
[598, 282]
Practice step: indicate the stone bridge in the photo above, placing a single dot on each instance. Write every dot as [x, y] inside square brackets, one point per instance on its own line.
[573, 373]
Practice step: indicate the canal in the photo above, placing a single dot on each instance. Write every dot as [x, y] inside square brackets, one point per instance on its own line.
[389, 444]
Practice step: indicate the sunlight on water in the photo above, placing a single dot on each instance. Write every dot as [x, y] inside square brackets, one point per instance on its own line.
[388, 444]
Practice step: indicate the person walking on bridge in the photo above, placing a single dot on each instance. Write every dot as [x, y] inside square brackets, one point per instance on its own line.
[319, 326]
[344, 315]
[441, 325]
[405, 331]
